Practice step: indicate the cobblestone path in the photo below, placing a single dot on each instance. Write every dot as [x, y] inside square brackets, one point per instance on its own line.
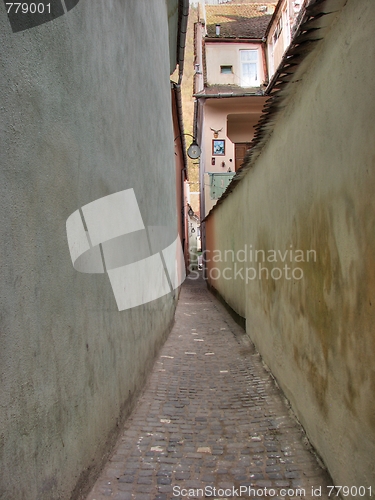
[211, 420]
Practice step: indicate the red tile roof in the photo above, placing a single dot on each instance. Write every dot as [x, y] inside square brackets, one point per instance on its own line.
[238, 20]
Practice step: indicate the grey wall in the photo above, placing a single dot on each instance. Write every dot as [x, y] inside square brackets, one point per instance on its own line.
[85, 107]
[312, 187]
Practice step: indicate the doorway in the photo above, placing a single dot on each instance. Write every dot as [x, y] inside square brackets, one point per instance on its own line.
[240, 149]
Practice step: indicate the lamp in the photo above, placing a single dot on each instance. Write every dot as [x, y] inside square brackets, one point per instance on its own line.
[193, 151]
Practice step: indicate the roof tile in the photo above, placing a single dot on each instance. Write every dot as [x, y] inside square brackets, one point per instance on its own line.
[238, 20]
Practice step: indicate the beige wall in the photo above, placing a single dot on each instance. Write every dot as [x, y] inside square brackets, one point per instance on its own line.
[228, 54]
[225, 237]
[313, 188]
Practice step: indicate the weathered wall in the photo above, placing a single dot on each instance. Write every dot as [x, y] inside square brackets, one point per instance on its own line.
[86, 112]
[224, 239]
[312, 189]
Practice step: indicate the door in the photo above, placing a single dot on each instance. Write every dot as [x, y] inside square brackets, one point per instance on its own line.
[239, 153]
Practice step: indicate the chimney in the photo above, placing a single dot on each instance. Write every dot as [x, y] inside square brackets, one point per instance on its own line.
[218, 30]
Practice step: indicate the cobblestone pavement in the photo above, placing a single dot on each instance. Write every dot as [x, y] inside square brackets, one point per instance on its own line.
[210, 417]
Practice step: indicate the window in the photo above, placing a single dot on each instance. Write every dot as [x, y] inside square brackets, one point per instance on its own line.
[287, 28]
[278, 30]
[249, 68]
[226, 70]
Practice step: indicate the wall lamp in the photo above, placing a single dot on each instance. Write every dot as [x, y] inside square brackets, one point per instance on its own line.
[190, 211]
[193, 151]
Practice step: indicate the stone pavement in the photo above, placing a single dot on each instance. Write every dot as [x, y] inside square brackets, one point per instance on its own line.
[211, 420]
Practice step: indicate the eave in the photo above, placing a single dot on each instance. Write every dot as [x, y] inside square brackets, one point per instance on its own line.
[233, 40]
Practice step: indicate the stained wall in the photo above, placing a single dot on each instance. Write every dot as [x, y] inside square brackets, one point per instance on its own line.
[311, 189]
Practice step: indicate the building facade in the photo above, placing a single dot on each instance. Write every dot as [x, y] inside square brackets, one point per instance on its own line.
[231, 75]
[281, 30]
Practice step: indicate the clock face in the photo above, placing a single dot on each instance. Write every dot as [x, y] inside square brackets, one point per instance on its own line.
[194, 151]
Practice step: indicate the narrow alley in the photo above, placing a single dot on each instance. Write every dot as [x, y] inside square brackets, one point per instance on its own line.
[144, 140]
[211, 421]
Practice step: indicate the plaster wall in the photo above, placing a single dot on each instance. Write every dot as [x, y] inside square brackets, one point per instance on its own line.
[312, 189]
[224, 239]
[86, 112]
[240, 126]
[215, 113]
[228, 54]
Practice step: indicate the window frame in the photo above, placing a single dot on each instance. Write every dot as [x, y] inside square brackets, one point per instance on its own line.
[256, 82]
[226, 66]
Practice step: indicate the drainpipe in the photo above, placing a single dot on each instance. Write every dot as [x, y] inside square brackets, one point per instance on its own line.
[195, 117]
[183, 23]
[181, 124]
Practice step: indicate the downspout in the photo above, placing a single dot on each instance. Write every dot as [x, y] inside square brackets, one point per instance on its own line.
[181, 125]
[183, 24]
[195, 126]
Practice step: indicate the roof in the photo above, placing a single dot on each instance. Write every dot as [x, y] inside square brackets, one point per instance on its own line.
[238, 20]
